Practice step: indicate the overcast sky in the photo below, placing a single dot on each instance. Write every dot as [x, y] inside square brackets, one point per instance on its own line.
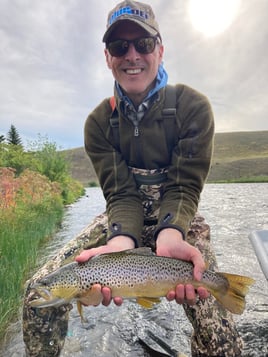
[53, 71]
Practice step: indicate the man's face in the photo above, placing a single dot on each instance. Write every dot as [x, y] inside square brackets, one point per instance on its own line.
[135, 72]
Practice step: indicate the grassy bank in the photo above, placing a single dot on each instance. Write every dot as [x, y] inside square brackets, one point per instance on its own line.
[31, 208]
[19, 245]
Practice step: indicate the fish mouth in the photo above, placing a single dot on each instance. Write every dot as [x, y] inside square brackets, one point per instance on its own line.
[44, 297]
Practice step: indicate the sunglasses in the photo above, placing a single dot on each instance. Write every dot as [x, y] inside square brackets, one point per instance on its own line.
[143, 45]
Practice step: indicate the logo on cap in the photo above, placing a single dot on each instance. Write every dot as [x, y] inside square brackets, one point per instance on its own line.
[127, 10]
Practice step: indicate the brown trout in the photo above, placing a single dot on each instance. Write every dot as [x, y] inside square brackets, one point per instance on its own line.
[138, 274]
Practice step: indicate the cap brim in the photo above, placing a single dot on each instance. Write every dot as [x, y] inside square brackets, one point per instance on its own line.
[151, 31]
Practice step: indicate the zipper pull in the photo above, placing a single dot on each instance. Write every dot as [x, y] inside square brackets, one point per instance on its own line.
[136, 130]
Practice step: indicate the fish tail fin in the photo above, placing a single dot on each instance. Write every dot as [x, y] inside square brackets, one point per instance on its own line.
[233, 298]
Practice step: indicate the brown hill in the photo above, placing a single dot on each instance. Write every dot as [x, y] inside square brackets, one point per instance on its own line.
[240, 156]
[237, 156]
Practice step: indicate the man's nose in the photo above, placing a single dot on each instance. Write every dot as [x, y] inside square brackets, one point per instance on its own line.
[132, 52]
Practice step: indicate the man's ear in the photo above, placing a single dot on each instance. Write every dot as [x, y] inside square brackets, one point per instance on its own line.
[161, 53]
[108, 58]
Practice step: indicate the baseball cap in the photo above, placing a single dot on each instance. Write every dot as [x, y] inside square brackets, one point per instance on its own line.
[140, 13]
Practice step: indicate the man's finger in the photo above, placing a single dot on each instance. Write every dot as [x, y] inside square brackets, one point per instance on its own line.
[190, 294]
[171, 295]
[84, 256]
[203, 293]
[180, 294]
[199, 265]
[107, 296]
[118, 300]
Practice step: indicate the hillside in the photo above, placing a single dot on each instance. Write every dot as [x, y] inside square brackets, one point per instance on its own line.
[237, 156]
[81, 168]
[240, 155]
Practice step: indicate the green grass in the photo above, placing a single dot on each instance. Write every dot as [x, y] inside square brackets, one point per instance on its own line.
[20, 240]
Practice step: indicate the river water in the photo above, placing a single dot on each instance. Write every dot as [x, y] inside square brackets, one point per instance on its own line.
[233, 211]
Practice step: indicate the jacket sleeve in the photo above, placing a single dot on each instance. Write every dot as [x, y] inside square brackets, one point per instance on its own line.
[190, 162]
[123, 202]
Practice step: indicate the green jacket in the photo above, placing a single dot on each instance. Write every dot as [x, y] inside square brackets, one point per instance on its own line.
[188, 162]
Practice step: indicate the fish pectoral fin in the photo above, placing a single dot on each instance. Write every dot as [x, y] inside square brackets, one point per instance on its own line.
[80, 311]
[147, 302]
[90, 297]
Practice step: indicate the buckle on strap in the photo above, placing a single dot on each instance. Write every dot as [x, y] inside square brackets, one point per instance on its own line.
[150, 222]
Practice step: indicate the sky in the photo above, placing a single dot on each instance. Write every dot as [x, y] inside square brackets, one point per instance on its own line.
[53, 71]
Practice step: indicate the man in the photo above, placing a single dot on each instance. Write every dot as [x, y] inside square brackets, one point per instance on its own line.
[151, 179]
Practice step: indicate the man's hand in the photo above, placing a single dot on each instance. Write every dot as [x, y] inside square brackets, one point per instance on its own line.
[116, 244]
[170, 243]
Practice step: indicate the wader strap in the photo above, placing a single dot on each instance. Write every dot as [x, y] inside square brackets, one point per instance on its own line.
[169, 116]
[114, 122]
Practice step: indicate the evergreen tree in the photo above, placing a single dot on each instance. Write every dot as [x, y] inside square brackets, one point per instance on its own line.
[13, 136]
[2, 138]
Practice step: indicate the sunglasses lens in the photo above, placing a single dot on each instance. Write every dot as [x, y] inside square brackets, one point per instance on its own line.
[143, 45]
[118, 48]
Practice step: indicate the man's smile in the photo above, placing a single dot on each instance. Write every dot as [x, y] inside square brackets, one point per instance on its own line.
[133, 71]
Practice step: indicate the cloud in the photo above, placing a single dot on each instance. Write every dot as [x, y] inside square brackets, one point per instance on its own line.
[53, 71]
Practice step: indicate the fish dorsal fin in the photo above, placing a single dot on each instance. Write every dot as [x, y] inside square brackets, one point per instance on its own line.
[140, 251]
[137, 251]
[147, 302]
